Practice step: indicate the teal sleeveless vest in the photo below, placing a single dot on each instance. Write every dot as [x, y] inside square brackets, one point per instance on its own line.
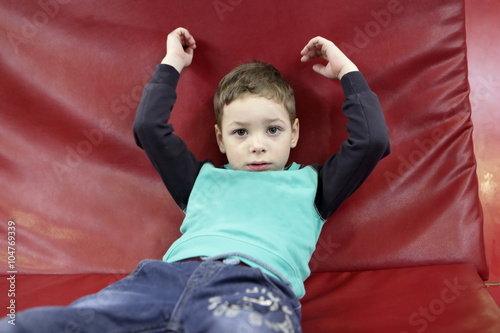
[267, 215]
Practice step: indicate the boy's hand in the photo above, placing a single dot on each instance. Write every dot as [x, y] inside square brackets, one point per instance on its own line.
[180, 49]
[338, 63]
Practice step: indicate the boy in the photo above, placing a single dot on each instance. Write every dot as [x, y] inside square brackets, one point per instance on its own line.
[251, 226]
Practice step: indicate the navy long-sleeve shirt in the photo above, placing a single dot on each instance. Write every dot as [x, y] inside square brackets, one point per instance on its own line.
[213, 223]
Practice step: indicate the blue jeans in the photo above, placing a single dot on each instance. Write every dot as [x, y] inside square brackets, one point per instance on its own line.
[192, 296]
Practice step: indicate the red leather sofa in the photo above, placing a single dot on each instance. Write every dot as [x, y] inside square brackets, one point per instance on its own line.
[404, 254]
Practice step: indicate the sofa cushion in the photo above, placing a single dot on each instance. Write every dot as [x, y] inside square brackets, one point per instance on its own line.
[442, 298]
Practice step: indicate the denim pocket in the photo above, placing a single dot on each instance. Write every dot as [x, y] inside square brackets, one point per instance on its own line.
[281, 288]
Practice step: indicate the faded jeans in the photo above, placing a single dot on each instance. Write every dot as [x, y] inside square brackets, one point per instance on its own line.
[192, 296]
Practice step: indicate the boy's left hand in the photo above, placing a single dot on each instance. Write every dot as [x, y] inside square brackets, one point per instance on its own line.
[338, 63]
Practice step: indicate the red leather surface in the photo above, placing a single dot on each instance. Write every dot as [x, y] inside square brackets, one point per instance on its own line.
[444, 298]
[483, 51]
[86, 200]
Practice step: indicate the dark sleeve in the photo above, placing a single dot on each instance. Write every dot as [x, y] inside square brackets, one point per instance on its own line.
[366, 145]
[169, 155]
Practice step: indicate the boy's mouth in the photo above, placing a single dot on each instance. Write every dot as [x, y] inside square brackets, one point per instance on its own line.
[259, 166]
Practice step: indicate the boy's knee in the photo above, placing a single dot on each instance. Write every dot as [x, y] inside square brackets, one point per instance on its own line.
[41, 319]
[6, 327]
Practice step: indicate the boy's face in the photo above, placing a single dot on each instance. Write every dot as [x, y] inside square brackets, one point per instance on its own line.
[256, 134]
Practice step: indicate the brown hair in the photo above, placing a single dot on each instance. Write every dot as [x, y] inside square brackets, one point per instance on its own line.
[256, 78]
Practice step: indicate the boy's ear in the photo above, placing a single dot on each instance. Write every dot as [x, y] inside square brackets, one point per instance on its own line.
[218, 137]
[295, 133]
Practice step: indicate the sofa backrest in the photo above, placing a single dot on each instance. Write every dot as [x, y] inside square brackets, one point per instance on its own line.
[84, 198]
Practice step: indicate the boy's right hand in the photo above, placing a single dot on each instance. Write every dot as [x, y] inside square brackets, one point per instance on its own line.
[180, 49]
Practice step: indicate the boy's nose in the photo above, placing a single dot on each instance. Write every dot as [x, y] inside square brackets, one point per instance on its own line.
[258, 145]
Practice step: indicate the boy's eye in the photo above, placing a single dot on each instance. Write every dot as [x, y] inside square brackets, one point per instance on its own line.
[273, 130]
[240, 132]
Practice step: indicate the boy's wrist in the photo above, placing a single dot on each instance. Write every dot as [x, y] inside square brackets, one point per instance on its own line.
[173, 61]
[351, 67]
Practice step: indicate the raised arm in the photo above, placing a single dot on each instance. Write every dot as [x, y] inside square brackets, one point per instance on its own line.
[169, 155]
[368, 140]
